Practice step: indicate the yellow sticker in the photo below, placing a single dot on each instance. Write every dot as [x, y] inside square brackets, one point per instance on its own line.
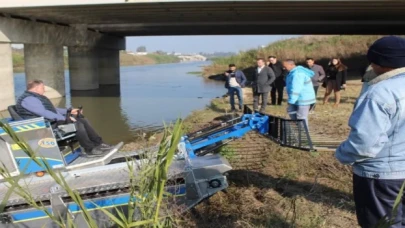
[47, 143]
[15, 147]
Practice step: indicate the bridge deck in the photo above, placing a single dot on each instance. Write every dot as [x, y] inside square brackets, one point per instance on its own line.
[180, 17]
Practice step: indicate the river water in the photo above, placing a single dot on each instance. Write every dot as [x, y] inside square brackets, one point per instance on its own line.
[147, 97]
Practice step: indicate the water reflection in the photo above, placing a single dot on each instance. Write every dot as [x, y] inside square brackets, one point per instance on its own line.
[102, 107]
[147, 97]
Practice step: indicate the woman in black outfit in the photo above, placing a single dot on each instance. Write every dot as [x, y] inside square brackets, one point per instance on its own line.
[335, 81]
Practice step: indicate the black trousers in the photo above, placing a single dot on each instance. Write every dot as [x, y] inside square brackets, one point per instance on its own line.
[316, 95]
[86, 135]
[256, 97]
[279, 90]
[375, 199]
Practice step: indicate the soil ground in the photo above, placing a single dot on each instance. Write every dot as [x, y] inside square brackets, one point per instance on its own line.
[273, 186]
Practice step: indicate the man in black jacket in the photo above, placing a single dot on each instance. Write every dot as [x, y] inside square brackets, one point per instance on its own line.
[263, 78]
[278, 84]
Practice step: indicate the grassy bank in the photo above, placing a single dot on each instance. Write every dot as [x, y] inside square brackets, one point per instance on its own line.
[135, 60]
[278, 187]
[351, 49]
[18, 60]
[125, 59]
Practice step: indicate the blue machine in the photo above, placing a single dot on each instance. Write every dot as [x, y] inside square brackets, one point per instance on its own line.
[197, 170]
[285, 132]
[195, 145]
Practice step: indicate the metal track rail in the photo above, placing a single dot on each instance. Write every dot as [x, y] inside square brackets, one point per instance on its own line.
[85, 181]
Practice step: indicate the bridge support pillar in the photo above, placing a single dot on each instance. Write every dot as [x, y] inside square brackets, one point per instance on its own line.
[46, 62]
[7, 96]
[109, 66]
[83, 68]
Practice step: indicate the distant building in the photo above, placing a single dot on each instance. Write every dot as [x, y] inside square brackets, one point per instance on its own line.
[192, 58]
[129, 53]
[141, 53]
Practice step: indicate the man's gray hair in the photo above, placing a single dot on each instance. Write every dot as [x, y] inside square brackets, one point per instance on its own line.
[34, 83]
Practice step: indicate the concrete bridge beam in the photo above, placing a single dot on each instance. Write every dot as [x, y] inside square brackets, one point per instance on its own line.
[30, 32]
[7, 96]
[46, 62]
[83, 68]
[109, 66]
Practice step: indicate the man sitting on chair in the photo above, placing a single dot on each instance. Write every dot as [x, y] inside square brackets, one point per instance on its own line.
[33, 104]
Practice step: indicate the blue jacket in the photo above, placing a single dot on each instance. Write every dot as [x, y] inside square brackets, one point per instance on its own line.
[240, 78]
[376, 143]
[32, 105]
[299, 86]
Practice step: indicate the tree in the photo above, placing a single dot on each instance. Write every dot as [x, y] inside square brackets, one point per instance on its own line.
[160, 52]
[141, 49]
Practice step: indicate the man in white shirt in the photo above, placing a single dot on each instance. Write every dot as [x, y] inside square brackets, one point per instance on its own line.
[235, 81]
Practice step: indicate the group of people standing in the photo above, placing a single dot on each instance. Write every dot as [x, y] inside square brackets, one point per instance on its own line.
[333, 80]
[375, 146]
[302, 84]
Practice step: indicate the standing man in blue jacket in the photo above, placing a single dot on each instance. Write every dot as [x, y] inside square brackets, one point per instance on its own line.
[301, 94]
[235, 81]
[376, 143]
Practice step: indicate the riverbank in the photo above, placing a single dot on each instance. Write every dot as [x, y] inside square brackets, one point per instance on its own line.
[126, 59]
[272, 186]
[278, 187]
[351, 50]
[149, 59]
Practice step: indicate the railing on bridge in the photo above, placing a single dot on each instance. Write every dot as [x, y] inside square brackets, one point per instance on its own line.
[287, 132]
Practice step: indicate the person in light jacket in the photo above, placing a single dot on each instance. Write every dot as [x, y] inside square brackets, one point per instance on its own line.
[235, 81]
[376, 143]
[263, 78]
[301, 94]
[368, 75]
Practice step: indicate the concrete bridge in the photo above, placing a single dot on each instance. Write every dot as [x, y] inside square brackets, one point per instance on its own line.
[94, 30]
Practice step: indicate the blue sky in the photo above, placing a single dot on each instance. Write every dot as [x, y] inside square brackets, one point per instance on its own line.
[195, 44]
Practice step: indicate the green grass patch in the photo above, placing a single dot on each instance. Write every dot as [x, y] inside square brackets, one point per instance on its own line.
[195, 72]
[160, 59]
[227, 152]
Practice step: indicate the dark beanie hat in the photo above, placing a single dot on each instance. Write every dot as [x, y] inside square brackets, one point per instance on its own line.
[388, 52]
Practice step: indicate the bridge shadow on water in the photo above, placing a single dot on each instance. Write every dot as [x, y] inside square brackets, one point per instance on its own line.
[103, 108]
[102, 91]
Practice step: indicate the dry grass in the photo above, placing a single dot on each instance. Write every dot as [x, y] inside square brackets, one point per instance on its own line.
[288, 188]
[350, 49]
[133, 60]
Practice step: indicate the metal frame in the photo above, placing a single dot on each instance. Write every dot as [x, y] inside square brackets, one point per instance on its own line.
[86, 162]
[203, 176]
[14, 163]
[246, 123]
[281, 130]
